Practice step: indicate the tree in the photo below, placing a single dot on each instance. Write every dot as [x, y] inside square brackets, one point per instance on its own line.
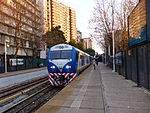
[18, 41]
[55, 36]
[122, 18]
[102, 21]
[24, 23]
[78, 45]
[107, 18]
[73, 42]
[38, 31]
[90, 51]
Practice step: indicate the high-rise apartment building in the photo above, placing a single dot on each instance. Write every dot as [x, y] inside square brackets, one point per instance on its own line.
[58, 14]
[73, 28]
[47, 15]
[88, 43]
[20, 24]
[60, 17]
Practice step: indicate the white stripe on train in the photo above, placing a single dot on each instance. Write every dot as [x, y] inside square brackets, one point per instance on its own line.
[57, 83]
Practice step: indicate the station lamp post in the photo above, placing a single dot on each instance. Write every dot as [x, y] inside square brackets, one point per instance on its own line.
[6, 45]
[113, 39]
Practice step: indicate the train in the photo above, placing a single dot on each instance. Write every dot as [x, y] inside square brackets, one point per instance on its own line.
[65, 62]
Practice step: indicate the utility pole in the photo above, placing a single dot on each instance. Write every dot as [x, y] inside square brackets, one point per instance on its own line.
[6, 45]
[105, 56]
[113, 33]
[113, 38]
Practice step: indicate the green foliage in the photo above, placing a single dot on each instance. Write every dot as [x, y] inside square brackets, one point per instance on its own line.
[78, 45]
[55, 36]
[73, 42]
[90, 51]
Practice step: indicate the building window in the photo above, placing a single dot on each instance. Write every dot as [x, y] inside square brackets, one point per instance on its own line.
[12, 41]
[1, 40]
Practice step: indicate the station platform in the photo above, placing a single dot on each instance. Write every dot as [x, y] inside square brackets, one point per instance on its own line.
[13, 78]
[99, 91]
[2, 75]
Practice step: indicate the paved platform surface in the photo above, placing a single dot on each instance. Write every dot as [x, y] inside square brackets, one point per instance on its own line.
[99, 91]
[2, 75]
[83, 95]
[121, 95]
[13, 78]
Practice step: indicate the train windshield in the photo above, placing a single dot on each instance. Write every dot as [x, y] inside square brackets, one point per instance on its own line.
[65, 54]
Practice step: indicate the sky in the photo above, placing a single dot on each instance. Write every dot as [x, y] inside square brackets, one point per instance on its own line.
[83, 9]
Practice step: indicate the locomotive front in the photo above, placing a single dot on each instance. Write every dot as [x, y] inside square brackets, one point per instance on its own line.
[61, 64]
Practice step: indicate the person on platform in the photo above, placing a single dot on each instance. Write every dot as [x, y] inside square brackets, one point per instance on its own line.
[94, 63]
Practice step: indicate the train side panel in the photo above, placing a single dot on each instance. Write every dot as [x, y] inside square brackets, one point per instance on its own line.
[83, 62]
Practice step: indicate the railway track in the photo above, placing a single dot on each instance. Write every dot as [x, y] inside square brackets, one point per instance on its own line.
[28, 99]
[4, 93]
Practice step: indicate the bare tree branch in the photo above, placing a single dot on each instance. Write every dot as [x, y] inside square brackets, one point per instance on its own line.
[107, 17]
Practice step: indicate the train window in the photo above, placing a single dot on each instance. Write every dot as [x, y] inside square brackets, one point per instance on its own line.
[55, 55]
[77, 56]
[65, 54]
[82, 60]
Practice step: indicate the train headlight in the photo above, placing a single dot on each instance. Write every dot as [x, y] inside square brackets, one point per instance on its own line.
[52, 67]
[68, 67]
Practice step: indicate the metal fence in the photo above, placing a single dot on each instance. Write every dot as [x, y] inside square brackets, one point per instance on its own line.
[137, 65]
[143, 67]
[2, 64]
[20, 63]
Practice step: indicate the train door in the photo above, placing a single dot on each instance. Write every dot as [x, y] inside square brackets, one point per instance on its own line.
[80, 60]
[77, 59]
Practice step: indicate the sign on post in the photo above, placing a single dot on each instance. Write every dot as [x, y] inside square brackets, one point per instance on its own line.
[43, 54]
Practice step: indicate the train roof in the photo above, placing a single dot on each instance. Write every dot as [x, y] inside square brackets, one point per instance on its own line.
[65, 47]
[61, 47]
[82, 51]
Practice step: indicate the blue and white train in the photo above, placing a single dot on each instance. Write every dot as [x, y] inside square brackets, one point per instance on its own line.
[65, 62]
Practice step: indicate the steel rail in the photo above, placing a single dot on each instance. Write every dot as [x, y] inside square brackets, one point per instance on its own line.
[16, 88]
[25, 99]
